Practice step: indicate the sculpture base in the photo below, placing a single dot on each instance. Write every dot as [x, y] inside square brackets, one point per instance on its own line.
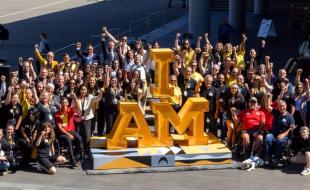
[215, 153]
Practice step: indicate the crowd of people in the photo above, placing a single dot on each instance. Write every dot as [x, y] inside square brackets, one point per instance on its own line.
[250, 108]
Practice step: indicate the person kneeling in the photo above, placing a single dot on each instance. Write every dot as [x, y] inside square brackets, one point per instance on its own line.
[303, 155]
[46, 151]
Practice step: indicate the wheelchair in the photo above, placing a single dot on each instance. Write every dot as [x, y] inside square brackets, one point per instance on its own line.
[62, 150]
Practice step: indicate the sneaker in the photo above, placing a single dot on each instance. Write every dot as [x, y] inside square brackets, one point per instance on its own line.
[306, 171]
[276, 163]
[73, 164]
[3, 172]
[40, 168]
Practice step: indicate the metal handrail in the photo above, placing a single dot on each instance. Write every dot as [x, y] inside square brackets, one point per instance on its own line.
[145, 20]
[142, 20]
[93, 36]
[65, 47]
[157, 13]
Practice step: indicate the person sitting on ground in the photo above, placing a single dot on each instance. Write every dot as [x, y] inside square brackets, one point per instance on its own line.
[46, 150]
[29, 130]
[303, 155]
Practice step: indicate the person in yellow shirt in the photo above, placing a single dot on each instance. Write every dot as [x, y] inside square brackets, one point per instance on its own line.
[186, 50]
[239, 52]
[176, 99]
[195, 75]
[230, 77]
[67, 66]
[228, 51]
[47, 62]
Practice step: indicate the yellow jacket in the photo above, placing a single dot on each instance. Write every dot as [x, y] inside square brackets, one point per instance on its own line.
[43, 61]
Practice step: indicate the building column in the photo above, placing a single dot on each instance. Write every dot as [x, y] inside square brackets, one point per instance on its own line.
[260, 7]
[237, 14]
[199, 17]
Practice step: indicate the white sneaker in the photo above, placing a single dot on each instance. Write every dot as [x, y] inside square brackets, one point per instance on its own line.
[306, 171]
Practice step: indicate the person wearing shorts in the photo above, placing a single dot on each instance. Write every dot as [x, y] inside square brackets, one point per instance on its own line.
[46, 152]
[303, 155]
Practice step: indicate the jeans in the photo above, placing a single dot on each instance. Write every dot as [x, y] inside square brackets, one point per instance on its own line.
[223, 127]
[270, 138]
[4, 165]
[211, 124]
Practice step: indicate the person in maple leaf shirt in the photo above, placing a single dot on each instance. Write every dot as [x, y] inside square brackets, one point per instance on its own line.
[252, 121]
[66, 130]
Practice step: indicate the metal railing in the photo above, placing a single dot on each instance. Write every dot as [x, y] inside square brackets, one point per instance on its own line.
[141, 21]
[65, 47]
[116, 34]
[133, 24]
[162, 13]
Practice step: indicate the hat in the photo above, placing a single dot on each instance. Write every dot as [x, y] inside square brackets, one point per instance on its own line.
[253, 99]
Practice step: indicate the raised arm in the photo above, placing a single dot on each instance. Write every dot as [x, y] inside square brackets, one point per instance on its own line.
[176, 41]
[106, 77]
[39, 56]
[32, 72]
[201, 64]
[261, 51]
[40, 137]
[98, 98]
[104, 47]
[206, 37]
[242, 44]
[3, 86]
[198, 44]
[8, 96]
[78, 50]
[283, 90]
[20, 67]
[34, 92]
[297, 77]
[265, 84]
[268, 102]
[110, 36]
[176, 68]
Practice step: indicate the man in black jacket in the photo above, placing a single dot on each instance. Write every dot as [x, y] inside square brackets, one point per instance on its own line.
[210, 93]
